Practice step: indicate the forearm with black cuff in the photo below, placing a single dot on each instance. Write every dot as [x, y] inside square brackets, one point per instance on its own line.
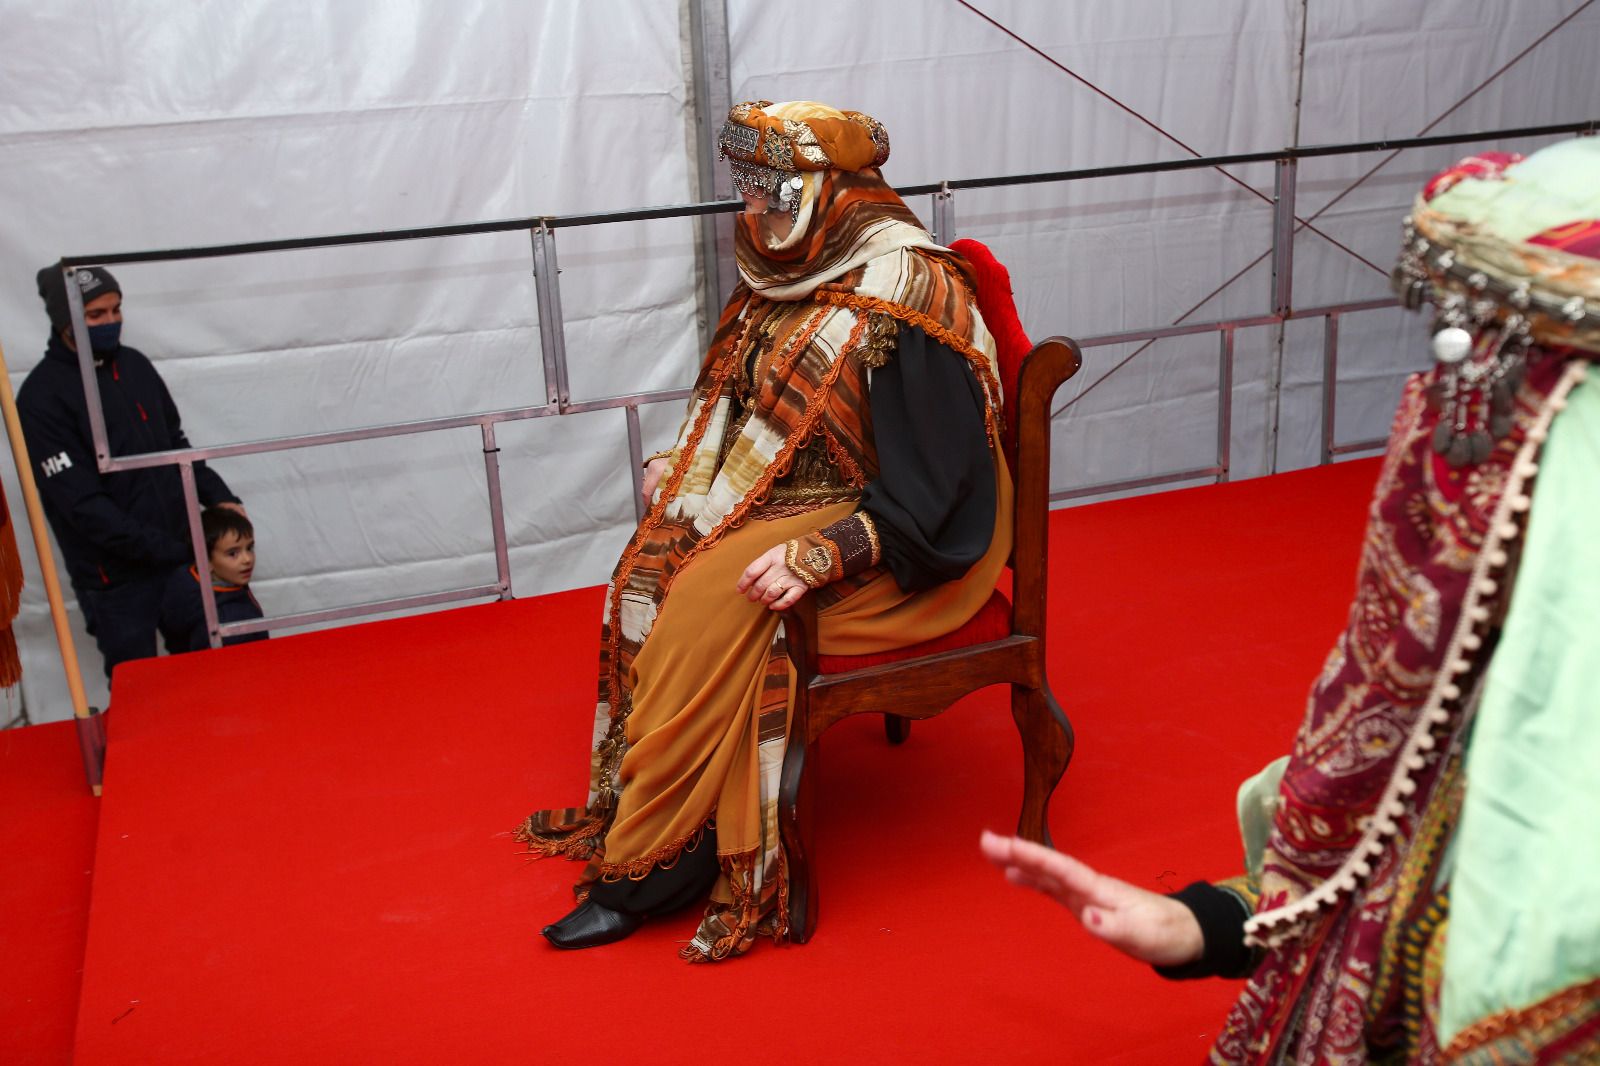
[847, 547]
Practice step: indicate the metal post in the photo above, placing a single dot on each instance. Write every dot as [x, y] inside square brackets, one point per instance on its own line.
[552, 330]
[713, 97]
[1283, 224]
[202, 557]
[497, 513]
[1224, 404]
[944, 214]
[636, 460]
[91, 391]
[1330, 383]
[1283, 236]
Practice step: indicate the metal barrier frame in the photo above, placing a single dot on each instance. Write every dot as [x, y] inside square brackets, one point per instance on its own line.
[558, 401]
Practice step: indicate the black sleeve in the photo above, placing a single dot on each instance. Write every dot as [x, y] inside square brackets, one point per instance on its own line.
[238, 607]
[933, 501]
[71, 486]
[208, 484]
[1221, 915]
[183, 619]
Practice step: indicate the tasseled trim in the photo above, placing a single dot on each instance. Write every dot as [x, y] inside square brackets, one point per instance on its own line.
[1273, 928]
[729, 930]
[579, 842]
[849, 469]
[1562, 1028]
[663, 858]
[781, 462]
[978, 360]
[682, 461]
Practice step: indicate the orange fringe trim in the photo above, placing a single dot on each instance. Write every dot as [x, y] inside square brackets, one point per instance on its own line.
[652, 520]
[785, 457]
[939, 332]
[743, 919]
[848, 467]
[1525, 1020]
[578, 844]
[665, 857]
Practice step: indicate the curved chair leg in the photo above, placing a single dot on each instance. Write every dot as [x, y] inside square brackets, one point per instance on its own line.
[1047, 744]
[795, 794]
[897, 728]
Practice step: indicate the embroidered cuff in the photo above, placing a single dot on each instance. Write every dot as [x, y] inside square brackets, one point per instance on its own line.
[665, 453]
[847, 547]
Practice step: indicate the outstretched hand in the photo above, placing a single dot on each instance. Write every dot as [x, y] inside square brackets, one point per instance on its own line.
[769, 580]
[1146, 926]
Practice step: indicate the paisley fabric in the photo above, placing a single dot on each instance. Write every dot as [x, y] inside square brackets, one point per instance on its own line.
[1383, 720]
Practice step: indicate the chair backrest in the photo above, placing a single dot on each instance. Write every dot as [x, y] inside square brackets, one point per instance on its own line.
[999, 310]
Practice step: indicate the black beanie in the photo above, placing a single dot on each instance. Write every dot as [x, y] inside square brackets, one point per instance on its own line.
[93, 281]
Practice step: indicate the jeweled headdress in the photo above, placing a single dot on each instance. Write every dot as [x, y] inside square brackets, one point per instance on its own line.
[1507, 249]
[767, 152]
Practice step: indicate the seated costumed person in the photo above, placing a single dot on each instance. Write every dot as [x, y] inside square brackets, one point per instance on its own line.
[1422, 865]
[841, 441]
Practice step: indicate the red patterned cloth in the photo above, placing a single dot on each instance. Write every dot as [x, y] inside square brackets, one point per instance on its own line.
[1490, 166]
[1381, 721]
[1574, 238]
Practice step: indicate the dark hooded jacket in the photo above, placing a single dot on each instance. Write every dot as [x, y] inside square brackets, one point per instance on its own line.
[112, 528]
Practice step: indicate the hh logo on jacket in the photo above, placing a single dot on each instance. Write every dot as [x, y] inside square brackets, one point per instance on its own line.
[55, 464]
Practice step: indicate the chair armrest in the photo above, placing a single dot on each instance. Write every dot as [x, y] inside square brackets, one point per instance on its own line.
[800, 637]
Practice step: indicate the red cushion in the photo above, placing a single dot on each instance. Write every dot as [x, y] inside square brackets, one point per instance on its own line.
[992, 622]
[999, 310]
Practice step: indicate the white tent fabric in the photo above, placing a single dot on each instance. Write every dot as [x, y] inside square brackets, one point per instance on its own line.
[126, 127]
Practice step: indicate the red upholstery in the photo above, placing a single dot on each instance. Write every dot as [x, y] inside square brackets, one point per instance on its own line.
[992, 622]
[999, 310]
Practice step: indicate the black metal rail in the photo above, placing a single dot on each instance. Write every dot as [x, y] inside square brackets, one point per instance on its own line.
[215, 251]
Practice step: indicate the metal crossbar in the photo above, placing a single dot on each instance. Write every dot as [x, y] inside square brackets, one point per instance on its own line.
[542, 231]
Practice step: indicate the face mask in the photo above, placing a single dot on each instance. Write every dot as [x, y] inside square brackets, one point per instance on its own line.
[106, 337]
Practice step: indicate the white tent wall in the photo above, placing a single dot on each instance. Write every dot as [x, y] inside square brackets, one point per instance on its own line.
[158, 125]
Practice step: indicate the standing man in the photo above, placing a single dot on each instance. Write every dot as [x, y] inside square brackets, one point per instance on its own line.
[120, 534]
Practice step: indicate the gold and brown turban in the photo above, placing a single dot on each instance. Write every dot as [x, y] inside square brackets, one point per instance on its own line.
[802, 136]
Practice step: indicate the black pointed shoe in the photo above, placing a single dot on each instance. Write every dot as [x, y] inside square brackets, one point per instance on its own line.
[591, 925]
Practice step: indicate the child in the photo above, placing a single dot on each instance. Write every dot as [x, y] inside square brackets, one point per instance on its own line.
[231, 542]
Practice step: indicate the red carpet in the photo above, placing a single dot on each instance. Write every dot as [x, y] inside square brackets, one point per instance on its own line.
[47, 829]
[304, 852]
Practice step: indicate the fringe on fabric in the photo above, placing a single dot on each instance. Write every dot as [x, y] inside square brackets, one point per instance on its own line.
[1563, 1029]
[758, 909]
[978, 360]
[664, 858]
[572, 833]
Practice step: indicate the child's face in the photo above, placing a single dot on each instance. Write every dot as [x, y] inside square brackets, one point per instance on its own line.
[233, 558]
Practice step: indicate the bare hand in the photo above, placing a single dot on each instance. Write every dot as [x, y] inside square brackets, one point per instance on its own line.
[235, 507]
[652, 477]
[1144, 925]
[769, 580]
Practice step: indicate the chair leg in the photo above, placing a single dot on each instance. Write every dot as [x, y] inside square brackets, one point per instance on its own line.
[796, 793]
[897, 728]
[1047, 743]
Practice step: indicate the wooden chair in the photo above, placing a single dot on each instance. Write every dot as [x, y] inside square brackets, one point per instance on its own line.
[1002, 645]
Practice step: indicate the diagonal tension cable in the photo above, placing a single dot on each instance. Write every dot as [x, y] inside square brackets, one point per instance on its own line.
[1251, 189]
[1513, 61]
